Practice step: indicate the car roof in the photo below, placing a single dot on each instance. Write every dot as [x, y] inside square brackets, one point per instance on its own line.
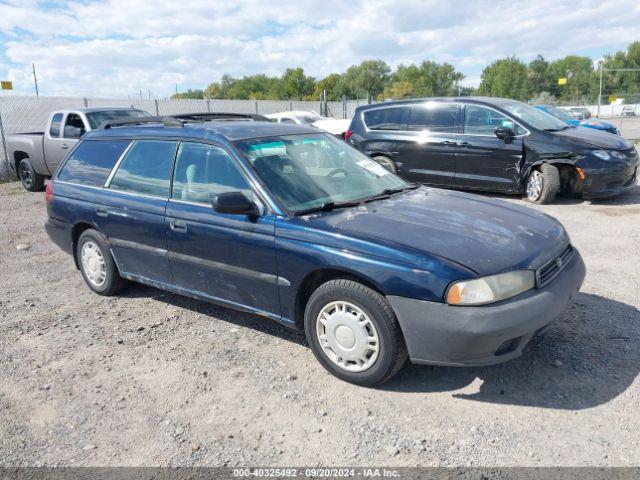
[214, 130]
[490, 101]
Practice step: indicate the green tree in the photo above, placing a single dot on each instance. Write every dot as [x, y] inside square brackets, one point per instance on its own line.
[579, 73]
[369, 78]
[296, 85]
[190, 94]
[506, 77]
[334, 85]
[539, 77]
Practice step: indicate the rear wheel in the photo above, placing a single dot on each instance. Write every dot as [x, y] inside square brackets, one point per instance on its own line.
[353, 333]
[31, 181]
[98, 268]
[386, 162]
[543, 184]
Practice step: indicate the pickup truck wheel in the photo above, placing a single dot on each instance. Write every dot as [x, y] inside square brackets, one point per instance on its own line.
[353, 333]
[543, 185]
[31, 181]
[98, 268]
[386, 162]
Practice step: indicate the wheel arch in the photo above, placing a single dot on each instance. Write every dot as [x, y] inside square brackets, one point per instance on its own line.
[322, 275]
[18, 156]
[569, 178]
[77, 230]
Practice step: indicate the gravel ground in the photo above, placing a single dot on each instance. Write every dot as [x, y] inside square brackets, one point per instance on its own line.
[151, 378]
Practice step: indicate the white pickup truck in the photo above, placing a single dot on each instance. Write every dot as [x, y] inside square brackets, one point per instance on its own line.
[35, 156]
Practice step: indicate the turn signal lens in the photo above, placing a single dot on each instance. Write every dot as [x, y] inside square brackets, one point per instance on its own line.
[480, 291]
[581, 173]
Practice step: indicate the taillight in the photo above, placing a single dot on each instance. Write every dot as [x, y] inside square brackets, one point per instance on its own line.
[347, 134]
[48, 193]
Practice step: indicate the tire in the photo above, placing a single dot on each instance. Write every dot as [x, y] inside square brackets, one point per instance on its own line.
[31, 181]
[543, 185]
[358, 313]
[386, 162]
[98, 268]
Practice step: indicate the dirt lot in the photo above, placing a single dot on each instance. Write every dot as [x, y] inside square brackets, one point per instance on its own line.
[150, 378]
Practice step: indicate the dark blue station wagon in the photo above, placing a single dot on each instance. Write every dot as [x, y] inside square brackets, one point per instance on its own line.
[295, 225]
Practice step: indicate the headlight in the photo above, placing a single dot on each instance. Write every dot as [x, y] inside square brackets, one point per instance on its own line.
[494, 288]
[603, 154]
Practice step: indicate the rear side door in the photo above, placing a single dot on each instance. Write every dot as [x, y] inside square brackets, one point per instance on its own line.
[53, 152]
[485, 161]
[429, 155]
[132, 215]
[224, 257]
[58, 147]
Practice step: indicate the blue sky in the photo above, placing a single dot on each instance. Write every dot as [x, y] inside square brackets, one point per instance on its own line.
[116, 48]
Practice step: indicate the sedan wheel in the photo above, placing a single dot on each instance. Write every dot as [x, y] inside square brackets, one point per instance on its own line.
[347, 336]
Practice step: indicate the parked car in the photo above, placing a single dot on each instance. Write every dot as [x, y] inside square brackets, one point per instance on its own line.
[569, 120]
[337, 127]
[629, 111]
[493, 144]
[295, 225]
[579, 113]
[35, 156]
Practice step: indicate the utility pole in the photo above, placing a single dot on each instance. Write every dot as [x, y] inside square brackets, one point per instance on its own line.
[35, 79]
[177, 94]
[600, 89]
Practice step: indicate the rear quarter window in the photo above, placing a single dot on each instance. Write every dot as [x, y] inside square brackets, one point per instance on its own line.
[92, 161]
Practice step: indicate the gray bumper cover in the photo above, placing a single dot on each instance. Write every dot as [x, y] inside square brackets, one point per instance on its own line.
[441, 334]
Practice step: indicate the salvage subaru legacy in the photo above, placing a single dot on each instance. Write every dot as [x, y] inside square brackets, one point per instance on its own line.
[295, 225]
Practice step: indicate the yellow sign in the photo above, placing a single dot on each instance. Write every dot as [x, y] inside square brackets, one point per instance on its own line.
[6, 85]
[562, 81]
[612, 98]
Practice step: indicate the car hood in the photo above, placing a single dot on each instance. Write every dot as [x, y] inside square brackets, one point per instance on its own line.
[486, 236]
[333, 125]
[591, 137]
[595, 124]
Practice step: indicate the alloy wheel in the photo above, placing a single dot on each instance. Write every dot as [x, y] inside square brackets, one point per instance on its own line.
[534, 186]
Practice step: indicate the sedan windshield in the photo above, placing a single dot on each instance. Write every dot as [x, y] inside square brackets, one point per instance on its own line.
[308, 118]
[98, 118]
[534, 117]
[560, 114]
[317, 172]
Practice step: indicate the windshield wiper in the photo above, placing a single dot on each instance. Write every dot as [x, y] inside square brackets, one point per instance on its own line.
[326, 207]
[387, 192]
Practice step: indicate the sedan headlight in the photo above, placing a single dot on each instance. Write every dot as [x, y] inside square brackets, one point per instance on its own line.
[603, 154]
[480, 291]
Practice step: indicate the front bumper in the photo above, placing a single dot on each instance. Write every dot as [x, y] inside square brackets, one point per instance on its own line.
[441, 334]
[609, 184]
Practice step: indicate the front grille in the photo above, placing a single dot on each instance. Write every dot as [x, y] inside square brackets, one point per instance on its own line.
[553, 267]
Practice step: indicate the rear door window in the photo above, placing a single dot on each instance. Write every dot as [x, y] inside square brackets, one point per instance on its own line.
[434, 117]
[73, 126]
[388, 118]
[146, 168]
[56, 121]
[92, 161]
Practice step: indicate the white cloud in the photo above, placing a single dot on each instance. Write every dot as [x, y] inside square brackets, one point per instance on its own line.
[117, 47]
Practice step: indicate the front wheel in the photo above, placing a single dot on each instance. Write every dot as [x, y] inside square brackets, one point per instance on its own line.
[543, 184]
[353, 333]
[386, 162]
[31, 181]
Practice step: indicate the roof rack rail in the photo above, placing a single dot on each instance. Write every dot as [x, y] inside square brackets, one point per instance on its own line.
[208, 116]
[167, 121]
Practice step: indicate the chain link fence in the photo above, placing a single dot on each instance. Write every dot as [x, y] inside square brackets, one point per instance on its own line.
[21, 114]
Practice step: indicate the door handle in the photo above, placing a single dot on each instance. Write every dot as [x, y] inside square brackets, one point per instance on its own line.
[102, 212]
[64, 146]
[178, 226]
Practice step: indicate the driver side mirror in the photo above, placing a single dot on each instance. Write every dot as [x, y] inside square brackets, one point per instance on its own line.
[235, 203]
[504, 133]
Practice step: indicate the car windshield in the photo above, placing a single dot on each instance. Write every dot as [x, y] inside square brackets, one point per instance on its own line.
[317, 171]
[533, 116]
[309, 117]
[98, 118]
[559, 113]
